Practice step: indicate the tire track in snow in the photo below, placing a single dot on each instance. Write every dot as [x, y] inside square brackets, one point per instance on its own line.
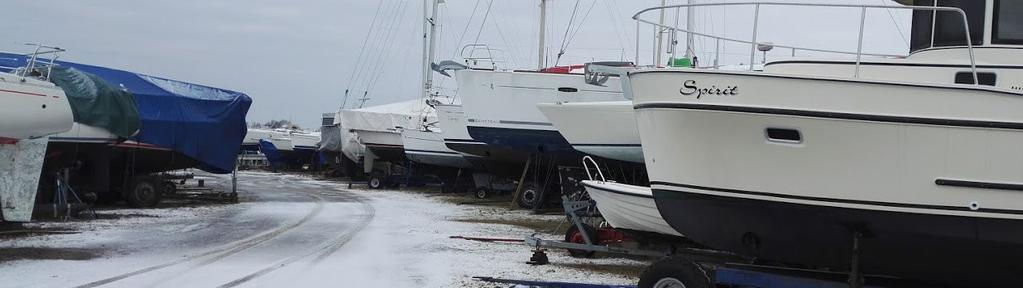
[219, 253]
[323, 251]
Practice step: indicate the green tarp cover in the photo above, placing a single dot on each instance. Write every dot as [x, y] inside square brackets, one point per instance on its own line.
[96, 103]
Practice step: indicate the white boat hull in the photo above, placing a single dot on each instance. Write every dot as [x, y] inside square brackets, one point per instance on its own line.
[427, 147]
[32, 108]
[628, 207]
[855, 148]
[452, 122]
[378, 139]
[500, 106]
[933, 173]
[604, 129]
[81, 133]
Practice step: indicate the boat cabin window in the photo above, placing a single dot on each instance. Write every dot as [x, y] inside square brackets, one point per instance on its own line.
[1008, 25]
[985, 78]
[937, 29]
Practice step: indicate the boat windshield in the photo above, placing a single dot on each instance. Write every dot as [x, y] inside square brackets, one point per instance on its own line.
[941, 28]
[1008, 26]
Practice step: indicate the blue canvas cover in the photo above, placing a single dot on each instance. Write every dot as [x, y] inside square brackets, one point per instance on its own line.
[272, 154]
[205, 123]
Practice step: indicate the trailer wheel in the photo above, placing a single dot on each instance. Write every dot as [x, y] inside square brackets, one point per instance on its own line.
[376, 182]
[169, 187]
[144, 192]
[482, 193]
[574, 236]
[529, 196]
[674, 272]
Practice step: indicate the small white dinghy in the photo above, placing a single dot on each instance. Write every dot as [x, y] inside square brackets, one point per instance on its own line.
[628, 207]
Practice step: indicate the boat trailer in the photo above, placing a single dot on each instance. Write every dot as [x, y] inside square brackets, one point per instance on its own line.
[582, 240]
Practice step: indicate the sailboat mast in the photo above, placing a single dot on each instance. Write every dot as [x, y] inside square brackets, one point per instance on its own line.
[543, 33]
[426, 49]
[433, 21]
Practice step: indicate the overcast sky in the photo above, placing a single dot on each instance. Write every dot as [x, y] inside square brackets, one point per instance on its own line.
[297, 58]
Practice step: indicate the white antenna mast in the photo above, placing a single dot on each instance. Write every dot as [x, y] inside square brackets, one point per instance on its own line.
[543, 32]
[660, 36]
[690, 52]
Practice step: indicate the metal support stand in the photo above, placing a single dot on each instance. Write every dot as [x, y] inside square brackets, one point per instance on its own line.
[64, 190]
[522, 182]
[855, 277]
[234, 178]
[570, 208]
[548, 177]
[539, 257]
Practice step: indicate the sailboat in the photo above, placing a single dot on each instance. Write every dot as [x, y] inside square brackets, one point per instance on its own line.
[608, 128]
[379, 128]
[500, 105]
[423, 142]
[914, 159]
[31, 108]
[484, 157]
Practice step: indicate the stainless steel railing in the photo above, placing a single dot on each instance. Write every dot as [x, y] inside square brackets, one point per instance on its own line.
[756, 18]
[35, 63]
[474, 54]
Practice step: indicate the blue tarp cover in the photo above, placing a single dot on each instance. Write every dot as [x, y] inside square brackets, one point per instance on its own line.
[205, 123]
[272, 154]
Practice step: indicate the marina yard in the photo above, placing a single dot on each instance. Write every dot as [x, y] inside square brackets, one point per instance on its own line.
[841, 144]
[294, 230]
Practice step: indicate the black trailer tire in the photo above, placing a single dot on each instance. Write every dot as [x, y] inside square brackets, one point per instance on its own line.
[530, 194]
[574, 236]
[145, 192]
[375, 182]
[481, 193]
[674, 271]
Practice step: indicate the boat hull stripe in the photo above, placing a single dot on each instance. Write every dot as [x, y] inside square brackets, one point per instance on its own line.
[831, 200]
[616, 191]
[433, 152]
[607, 145]
[463, 140]
[24, 93]
[836, 115]
[978, 184]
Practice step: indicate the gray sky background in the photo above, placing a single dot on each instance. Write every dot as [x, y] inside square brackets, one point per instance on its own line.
[296, 58]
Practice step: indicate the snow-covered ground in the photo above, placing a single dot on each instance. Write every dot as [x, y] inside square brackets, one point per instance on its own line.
[294, 231]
